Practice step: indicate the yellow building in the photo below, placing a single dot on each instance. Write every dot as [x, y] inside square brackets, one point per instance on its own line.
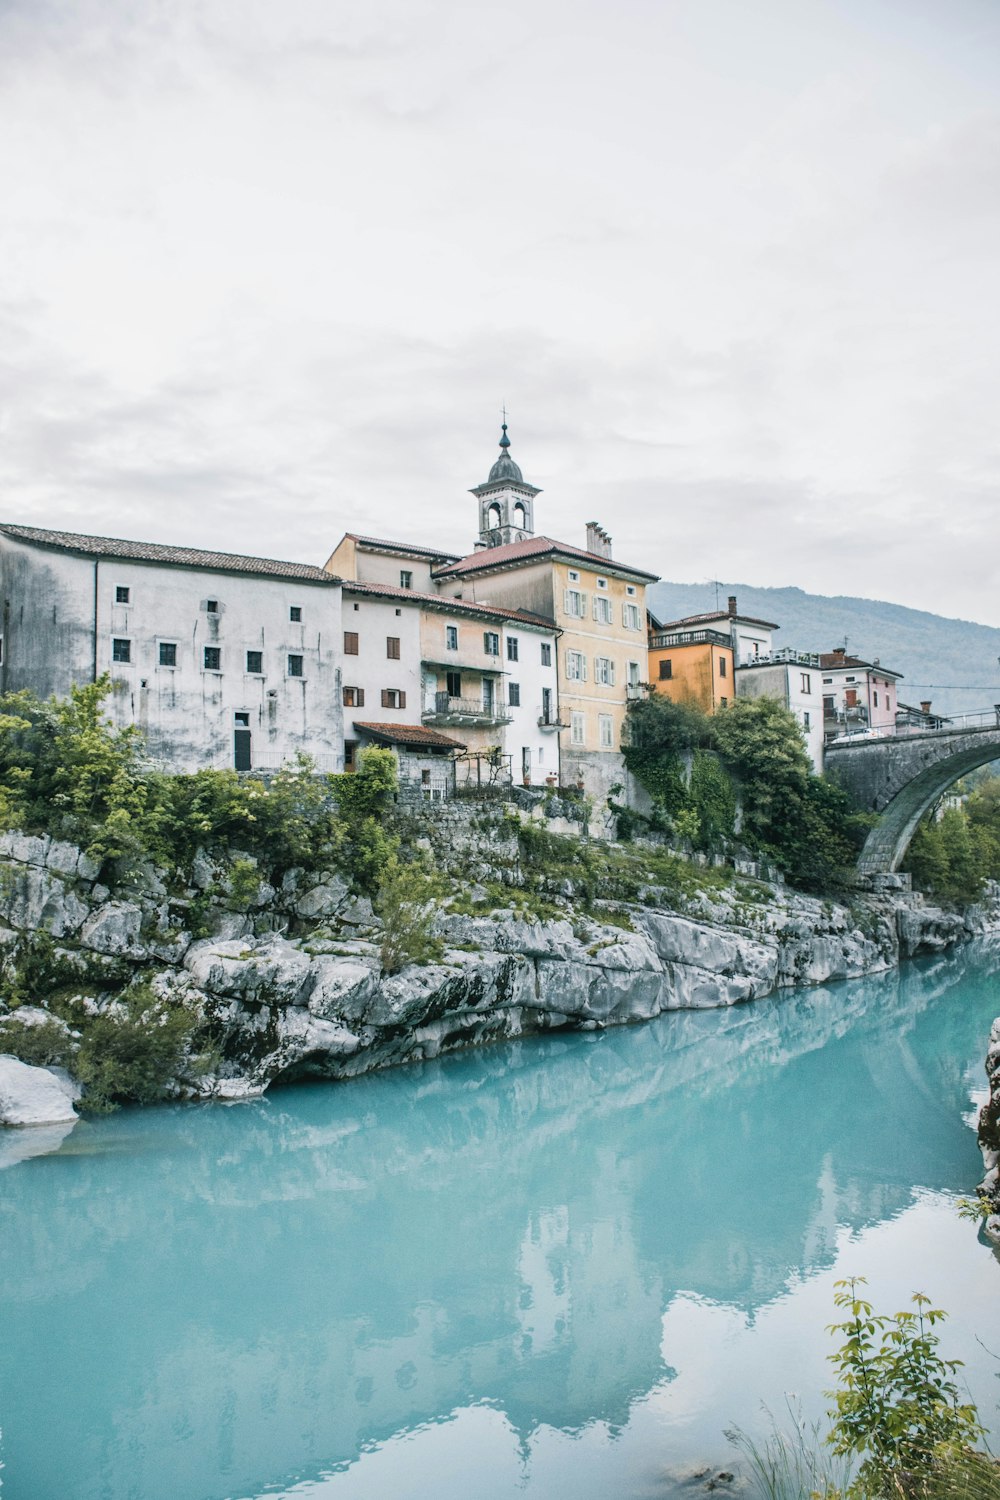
[598, 603]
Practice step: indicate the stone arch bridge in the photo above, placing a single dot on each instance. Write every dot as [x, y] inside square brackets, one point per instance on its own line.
[902, 775]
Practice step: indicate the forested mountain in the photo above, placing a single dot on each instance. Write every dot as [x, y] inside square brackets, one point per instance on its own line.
[954, 663]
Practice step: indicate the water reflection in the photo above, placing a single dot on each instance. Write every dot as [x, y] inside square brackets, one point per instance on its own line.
[205, 1302]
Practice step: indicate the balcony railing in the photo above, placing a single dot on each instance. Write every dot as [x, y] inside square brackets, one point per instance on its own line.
[688, 638]
[444, 709]
[786, 657]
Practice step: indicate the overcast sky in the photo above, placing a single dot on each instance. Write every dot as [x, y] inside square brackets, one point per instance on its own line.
[268, 270]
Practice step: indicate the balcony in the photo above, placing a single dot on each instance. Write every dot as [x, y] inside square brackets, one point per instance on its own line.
[664, 641]
[786, 657]
[469, 713]
[550, 721]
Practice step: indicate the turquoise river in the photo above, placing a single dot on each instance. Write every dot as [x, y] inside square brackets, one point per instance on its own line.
[554, 1268]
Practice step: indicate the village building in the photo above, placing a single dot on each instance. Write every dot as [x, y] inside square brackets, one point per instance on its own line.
[486, 676]
[858, 696]
[691, 665]
[597, 603]
[793, 679]
[425, 759]
[222, 660]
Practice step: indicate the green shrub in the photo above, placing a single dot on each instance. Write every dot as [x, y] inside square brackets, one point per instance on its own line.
[898, 1406]
[41, 1046]
[405, 901]
[133, 1050]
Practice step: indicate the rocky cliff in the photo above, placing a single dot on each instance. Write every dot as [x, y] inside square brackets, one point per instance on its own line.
[287, 982]
[989, 1135]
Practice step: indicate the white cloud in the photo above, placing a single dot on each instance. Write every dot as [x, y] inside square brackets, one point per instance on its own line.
[270, 271]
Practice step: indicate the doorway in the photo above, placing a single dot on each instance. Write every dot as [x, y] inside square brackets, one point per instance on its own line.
[241, 745]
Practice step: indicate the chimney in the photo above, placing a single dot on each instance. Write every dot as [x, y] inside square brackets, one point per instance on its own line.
[732, 606]
[925, 706]
[598, 540]
[840, 651]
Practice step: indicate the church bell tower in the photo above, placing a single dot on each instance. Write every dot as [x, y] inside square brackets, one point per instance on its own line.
[506, 502]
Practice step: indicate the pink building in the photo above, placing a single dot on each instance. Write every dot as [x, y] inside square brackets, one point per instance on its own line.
[857, 695]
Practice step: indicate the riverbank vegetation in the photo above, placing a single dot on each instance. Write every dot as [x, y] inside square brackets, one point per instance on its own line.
[900, 1428]
[956, 849]
[743, 775]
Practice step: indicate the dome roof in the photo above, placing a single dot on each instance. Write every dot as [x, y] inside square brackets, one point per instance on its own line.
[505, 467]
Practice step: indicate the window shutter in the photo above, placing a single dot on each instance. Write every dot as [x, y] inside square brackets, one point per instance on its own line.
[594, 606]
[359, 697]
[611, 673]
[583, 667]
[583, 605]
[385, 697]
[402, 700]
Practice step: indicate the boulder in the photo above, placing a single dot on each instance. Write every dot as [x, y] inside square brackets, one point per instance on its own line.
[32, 898]
[324, 900]
[115, 929]
[35, 1096]
[270, 972]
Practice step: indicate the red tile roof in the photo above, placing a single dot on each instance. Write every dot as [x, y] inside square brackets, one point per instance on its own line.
[434, 553]
[711, 615]
[156, 552]
[410, 734]
[535, 546]
[443, 602]
[830, 659]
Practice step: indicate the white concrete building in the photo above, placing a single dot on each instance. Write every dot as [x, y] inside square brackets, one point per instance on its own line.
[794, 679]
[380, 671]
[222, 660]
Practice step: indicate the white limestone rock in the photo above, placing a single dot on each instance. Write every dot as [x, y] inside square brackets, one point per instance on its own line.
[271, 971]
[63, 858]
[32, 898]
[35, 1096]
[115, 929]
[344, 988]
[323, 900]
[676, 940]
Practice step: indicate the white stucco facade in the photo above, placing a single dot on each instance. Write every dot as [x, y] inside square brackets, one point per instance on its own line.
[219, 666]
[380, 671]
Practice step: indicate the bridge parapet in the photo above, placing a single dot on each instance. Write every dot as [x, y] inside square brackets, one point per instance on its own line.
[902, 776]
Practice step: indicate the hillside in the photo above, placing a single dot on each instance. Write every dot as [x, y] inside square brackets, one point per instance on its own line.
[954, 663]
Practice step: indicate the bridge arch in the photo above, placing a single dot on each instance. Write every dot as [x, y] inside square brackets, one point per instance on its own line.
[901, 778]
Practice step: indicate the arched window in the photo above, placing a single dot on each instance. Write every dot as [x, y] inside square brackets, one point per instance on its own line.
[519, 515]
[493, 517]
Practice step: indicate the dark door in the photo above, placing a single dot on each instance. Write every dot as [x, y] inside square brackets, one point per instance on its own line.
[241, 737]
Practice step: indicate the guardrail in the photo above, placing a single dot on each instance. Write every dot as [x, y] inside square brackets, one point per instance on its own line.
[986, 718]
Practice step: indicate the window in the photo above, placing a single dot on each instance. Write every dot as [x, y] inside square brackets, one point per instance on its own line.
[603, 610]
[356, 608]
[602, 583]
[722, 666]
[630, 589]
[514, 694]
[213, 658]
[827, 681]
[295, 612]
[121, 594]
[399, 612]
[573, 576]
[453, 683]
[666, 669]
[241, 720]
[405, 579]
[393, 698]
[723, 702]
[212, 605]
[121, 650]
[607, 728]
[350, 750]
[575, 603]
[546, 654]
[491, 643]
[828, 703]
[451, 637]
[512, 648]
[295, 666]
[392, 647]
[350, 643]
[805, 682]
[851, 698]
[604, 671]
[633, 674]
[255, 663]
[576, 666]
[850, 679]
[548, 717]
[576, 729]
[806, 722]
[875, 698]
[630, 616]
[354, 697]
[168, 654]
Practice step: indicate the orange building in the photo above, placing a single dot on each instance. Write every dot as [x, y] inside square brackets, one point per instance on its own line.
[691, 665]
